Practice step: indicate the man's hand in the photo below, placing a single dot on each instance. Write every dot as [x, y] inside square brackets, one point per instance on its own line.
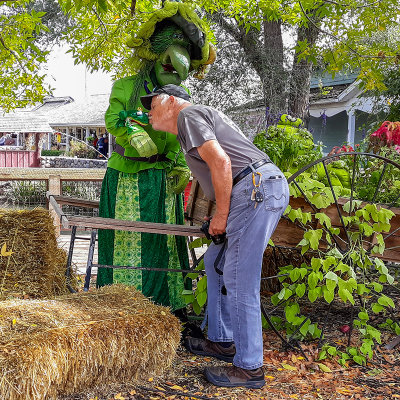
[180, 177]
[143, 144]
[218, 224]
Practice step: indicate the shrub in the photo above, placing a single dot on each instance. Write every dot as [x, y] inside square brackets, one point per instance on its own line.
[52, 153]
[81, 150]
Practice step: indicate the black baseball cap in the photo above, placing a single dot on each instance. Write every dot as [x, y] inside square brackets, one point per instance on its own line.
[172, 90]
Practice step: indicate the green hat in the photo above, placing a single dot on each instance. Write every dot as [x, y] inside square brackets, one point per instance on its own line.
[184, 16]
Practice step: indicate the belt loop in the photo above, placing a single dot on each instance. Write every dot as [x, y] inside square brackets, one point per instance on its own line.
[252, 168]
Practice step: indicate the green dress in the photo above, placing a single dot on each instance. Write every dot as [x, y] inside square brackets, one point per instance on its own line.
[137, 190]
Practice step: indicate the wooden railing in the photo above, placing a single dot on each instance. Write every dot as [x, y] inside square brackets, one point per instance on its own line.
[53, 178]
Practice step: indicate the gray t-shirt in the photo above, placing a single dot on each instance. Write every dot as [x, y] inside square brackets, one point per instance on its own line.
[196, 125]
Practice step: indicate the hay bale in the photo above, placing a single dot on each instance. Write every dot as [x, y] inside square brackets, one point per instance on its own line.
[37, 266]
[53, 347]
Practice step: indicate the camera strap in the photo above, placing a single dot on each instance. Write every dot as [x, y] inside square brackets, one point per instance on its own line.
[216, 263]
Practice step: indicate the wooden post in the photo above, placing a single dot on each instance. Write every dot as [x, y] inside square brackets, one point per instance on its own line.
[55, 189]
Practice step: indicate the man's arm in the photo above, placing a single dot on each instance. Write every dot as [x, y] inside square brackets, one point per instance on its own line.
[221, 174]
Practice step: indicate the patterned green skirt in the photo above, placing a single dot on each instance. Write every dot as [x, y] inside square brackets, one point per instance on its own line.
[142, 196]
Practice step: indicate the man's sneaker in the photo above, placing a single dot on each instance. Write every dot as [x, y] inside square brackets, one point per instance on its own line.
[233, 376]
[205, 347]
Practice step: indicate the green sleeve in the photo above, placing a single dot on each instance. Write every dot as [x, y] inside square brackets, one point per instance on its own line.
[117, 104]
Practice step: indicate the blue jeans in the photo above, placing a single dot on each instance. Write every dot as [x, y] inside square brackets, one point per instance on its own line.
[237, 316]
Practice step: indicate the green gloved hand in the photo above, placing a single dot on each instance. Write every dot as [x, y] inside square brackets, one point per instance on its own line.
[180, 178]
[142, 142]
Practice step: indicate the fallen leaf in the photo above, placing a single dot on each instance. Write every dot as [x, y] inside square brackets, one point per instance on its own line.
[150, 379]
[289, 367]
[344, 391]
[324, 368]
[176, 387]
[4, 251]
[119, 397]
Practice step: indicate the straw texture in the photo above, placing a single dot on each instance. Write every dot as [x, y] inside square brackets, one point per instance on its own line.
[36, 267]
[53, 347]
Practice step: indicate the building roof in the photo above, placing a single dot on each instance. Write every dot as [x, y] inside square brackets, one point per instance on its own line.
[325, 79]
[88, 112]
[51, 102]
[25, 122]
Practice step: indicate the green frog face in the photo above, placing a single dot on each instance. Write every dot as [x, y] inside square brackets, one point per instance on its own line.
[173, 47]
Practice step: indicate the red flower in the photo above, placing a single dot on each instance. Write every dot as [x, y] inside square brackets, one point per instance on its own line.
[388, 133]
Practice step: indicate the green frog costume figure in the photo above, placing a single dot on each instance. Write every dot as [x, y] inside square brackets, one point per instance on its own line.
[147, 171]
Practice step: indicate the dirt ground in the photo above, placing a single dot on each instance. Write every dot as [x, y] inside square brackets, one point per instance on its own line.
[288, 375]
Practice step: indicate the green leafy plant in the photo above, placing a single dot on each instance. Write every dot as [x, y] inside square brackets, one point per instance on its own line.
[365, 188]
[355, 275]
[26, 193]
[289, 152]
[198, 296]
[51, 153]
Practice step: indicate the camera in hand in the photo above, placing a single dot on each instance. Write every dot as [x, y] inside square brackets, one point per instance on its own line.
[217, 239]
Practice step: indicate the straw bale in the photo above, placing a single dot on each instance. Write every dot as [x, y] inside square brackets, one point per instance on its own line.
[37, 266]
[54, 347]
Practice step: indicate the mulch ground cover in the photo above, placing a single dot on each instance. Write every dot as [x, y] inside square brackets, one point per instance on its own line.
[288, 375]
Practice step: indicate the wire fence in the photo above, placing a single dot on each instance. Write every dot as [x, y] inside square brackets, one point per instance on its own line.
[83, 190]
[23, 194]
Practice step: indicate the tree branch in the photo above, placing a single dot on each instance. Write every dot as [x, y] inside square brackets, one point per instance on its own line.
[101, 21]
[338, 38]
[344, 5]
[13, 53]
[328, 33]
[248, 41]
[133, 6]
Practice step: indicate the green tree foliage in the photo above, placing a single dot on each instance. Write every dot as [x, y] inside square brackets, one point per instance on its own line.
[21, 56]
[101, 29]
[334, 35]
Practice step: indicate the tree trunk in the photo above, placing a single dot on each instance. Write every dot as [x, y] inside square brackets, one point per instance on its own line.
[299, 93]
[273, 76]
[265, 56]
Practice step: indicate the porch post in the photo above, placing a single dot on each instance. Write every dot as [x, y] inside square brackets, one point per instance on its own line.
[67, 138]
[351, 127]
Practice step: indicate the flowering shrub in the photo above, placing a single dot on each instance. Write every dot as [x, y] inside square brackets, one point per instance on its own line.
[341, 149]
[387, 135]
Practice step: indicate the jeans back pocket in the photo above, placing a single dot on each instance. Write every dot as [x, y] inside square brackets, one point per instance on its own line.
[276, 193]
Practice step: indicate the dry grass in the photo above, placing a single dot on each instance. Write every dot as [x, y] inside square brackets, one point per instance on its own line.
[36, 268]
[53, 347]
